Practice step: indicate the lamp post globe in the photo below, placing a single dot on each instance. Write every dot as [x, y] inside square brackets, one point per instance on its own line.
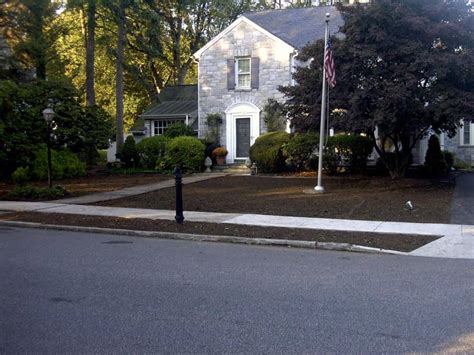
[48, 115]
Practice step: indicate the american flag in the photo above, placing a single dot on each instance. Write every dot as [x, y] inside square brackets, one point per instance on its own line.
[329, 65]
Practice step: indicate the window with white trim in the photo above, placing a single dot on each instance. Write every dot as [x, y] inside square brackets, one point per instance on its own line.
[159, 127]
[467, 132]
[243, 74]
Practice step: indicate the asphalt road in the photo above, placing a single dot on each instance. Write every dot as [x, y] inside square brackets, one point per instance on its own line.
[63, 292]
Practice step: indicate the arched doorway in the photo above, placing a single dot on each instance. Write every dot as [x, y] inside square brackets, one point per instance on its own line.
[242, 128]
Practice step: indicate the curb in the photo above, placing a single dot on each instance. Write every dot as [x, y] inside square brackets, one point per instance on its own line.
[209, 238]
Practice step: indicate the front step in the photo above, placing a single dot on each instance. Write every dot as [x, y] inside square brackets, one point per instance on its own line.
[236, 168]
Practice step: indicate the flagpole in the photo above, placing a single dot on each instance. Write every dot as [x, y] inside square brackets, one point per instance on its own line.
[319, 188]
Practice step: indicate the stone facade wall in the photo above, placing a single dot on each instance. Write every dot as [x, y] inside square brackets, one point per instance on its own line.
[243, 40]
[464, 153]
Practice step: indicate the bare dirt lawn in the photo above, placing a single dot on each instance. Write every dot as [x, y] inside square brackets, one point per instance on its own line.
[93, 183]
[360, 197]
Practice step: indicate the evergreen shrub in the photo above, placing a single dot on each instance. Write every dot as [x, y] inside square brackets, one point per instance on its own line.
[21, 176]
[187, 152]
[351, 150]
[64, 164]
[435, 164]
[129, 154]
[300, 149]
[267, 152]
[150, 149]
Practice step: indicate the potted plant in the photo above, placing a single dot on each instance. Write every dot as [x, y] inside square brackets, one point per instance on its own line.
[219, 155]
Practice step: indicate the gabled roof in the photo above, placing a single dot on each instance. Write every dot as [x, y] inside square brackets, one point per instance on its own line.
[293, 27]
[299, 26]
[175, 101]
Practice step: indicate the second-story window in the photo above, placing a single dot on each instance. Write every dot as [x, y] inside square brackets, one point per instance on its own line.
[243, 73]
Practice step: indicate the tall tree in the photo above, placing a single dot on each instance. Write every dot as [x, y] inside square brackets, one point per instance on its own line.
[121, 41]
[27, 25]
[90, 52]
[404, 67]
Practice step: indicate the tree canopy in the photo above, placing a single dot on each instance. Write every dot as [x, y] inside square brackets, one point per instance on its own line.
[404, 67]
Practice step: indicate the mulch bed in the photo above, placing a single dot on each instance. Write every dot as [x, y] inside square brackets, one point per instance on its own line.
[95, 183]
[347, 197]
[398, 242]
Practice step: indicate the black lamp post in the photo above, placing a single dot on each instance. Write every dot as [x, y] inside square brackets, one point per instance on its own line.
[48, 115]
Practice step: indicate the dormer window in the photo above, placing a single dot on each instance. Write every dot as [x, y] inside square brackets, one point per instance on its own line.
[243, 73]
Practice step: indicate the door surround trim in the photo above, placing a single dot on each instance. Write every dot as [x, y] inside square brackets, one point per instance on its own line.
[233, 112]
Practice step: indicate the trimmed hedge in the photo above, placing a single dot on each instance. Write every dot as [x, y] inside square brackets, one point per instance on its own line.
[267, 152]
[351, 150]
[150, 149]
[187, 152]
[64, 164]
[300, 149]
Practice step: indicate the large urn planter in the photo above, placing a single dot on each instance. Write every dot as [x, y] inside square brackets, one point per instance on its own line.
[220, 160]
[219, 155]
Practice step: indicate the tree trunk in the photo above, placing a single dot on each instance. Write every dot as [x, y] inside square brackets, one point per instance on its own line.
[38, 40]
[119, 73]
[90, 53]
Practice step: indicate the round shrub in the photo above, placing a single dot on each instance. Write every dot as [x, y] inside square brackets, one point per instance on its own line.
[179, 129]
[352, 150]
[21, 176]
[300, 149]
[150, 149]
[267, 152]
[187, 152]
[64, 164]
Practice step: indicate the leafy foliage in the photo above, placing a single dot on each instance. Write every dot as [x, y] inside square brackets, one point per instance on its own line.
[21, 176]
[267, 152]
[213, 122]
[187, 152]
[300, 149]
[22, 126]
[404, 66]
[129, 154]
[351, 149]
[179, 129]
[151, 148]
[64, 164]
[273, 116]
[36, 193]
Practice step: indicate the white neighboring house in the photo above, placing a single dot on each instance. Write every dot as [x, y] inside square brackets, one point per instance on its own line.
[243, 66]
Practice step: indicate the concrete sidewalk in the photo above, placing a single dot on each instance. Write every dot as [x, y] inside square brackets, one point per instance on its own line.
[457, 241]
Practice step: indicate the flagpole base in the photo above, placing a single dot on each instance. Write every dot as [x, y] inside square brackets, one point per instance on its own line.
[319, 189]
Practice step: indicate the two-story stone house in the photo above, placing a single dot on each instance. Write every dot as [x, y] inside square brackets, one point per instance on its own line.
[242, 67]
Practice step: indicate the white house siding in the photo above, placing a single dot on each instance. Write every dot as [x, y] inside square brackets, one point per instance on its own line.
[243, 40]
